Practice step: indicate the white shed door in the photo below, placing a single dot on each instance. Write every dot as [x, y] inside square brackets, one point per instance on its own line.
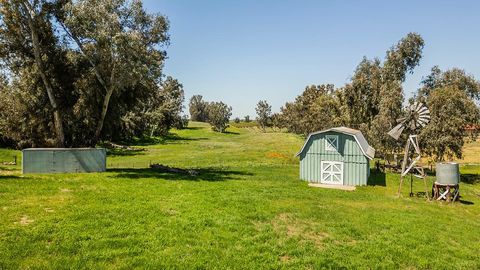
[332, 172]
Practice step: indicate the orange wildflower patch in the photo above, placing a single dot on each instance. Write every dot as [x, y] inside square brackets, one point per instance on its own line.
[276, 155]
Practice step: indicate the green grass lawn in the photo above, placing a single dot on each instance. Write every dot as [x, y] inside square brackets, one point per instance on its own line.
[247, 209]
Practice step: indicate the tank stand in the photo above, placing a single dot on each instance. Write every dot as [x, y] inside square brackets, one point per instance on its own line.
[447, 192]
[411, 186]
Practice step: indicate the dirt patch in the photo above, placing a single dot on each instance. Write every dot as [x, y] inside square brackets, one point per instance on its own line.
[7, 163]
[300, 229]
[171, 212]
[25, 220]
[7, 173]
[285, 258]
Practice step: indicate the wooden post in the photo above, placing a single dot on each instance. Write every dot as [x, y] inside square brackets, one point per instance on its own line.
[411, 185]
[404, 165]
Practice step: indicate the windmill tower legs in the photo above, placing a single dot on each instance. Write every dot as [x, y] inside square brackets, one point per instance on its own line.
[409, 162]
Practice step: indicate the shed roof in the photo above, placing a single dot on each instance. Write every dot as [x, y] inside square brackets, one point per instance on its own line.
[367, 150]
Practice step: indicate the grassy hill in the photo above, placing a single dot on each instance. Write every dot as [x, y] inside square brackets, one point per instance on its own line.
[246, 209]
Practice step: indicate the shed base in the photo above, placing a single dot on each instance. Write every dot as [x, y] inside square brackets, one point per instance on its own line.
[347, 188]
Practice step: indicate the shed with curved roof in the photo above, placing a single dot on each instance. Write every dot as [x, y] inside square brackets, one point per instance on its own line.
[337, 156]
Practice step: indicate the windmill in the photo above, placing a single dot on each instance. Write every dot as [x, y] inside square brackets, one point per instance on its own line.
[416, 117]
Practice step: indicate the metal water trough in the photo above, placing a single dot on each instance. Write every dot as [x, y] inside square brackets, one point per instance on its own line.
[63, 160]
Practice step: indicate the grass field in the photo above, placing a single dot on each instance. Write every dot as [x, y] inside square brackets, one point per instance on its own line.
[471, 154]
[246, 209]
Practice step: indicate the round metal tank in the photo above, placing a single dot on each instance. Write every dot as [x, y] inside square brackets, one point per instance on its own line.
[448, 173]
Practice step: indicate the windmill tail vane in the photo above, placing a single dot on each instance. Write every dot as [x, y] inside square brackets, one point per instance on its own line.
[396, 131]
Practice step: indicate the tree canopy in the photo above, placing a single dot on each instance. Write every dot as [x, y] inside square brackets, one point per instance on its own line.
[217, 114]
[198, 109]
[264, 113]
[81, 71]
[450, 96]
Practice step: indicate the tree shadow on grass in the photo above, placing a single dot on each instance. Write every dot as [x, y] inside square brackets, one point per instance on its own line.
[12, 177]
[8, 169]
[170, 138]
[116, 152]
[202, 174]
[470, 178]
[377, 178]
[231, 132]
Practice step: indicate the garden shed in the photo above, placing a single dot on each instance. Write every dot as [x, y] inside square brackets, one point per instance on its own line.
[336, 156]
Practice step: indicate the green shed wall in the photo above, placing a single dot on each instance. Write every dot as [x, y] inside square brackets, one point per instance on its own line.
[63, 160]
[356, 169]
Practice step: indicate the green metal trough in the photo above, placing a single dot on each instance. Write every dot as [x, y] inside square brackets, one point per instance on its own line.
[63, 160]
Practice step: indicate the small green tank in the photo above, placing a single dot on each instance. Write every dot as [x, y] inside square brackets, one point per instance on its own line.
[448, 173]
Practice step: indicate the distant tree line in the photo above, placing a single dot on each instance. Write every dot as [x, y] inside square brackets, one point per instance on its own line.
[78, 72]
[374, 97]
[217, 114]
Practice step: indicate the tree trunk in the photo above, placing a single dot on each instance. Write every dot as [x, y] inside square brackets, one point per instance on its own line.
[58, 122]
[108, 89]
[101, 121]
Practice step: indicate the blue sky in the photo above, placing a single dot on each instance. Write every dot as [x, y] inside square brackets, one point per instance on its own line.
[241, 52]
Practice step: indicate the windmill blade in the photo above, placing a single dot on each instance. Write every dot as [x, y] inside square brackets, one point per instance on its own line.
[424, 118]
[423, 110]
[424, 114]
[418, 105]
[401, 120]
[422, 122]
[397, 131]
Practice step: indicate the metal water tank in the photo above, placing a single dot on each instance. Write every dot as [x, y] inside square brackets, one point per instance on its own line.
[448, 173]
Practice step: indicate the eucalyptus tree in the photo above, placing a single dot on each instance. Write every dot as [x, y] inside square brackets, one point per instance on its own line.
[400, 60]
[80, 71]
[264, 112]
[219, 115]
[362, 95]
[371, 101]
[198, 108]
[451, 109]
[122, 43]
[450, 96]
[29, 48]
[453, 77]
[166, 109]
[316, 108]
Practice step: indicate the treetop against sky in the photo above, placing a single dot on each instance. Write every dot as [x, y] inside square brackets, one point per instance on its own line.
[244, 51]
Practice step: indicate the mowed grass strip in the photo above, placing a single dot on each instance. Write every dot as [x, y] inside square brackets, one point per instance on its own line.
[246, 209]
